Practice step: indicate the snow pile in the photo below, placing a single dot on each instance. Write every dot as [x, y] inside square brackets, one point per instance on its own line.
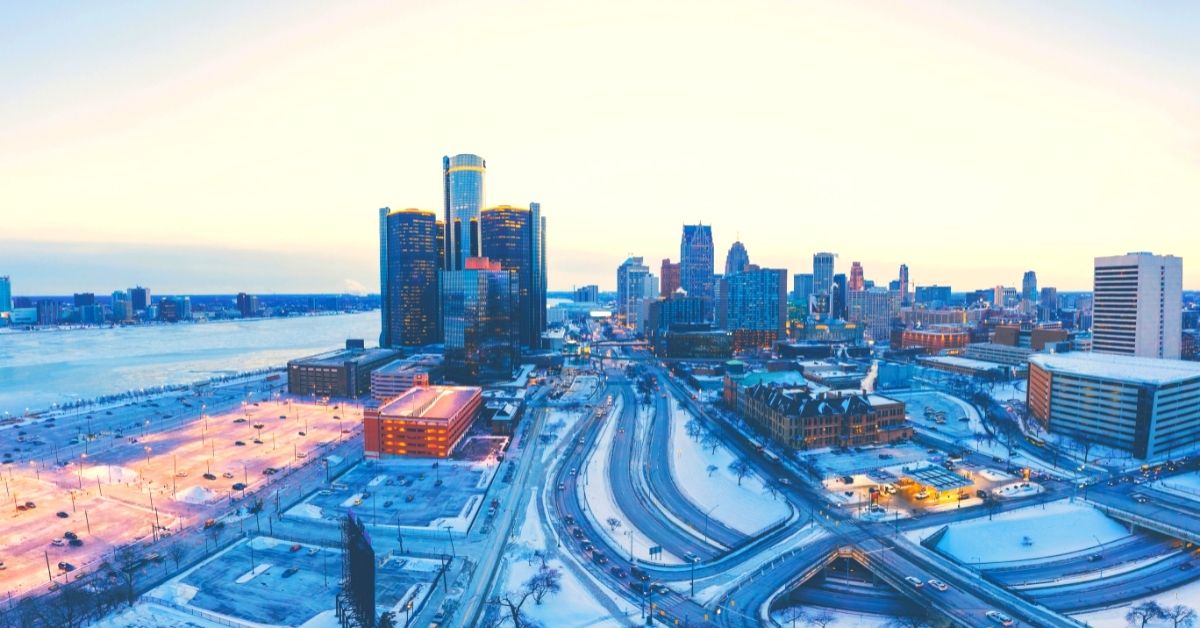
[253, 573]
[103, 472]
[195, 495]
[746, 508]
[306, 511]
[1028, 534]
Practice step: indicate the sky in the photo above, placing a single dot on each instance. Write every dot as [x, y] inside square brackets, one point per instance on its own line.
[203, 147]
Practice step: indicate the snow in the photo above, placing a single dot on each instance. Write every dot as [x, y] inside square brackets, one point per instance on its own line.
[306, 511]
[177, 592]
[1027, 534]
[842, 619]
[1018, 489]
[557, 424]
[1187, 595]
[599, 500]
[353, 500]
[1121, 368]
[746, 508]
[572, 607]
[1186, 485]
[531, 534]
[195, 495]
[463, 521]
[253, 573]
[118, 474]
[150, 615]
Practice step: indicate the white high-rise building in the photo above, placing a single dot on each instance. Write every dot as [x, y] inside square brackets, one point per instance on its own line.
[1138, 305]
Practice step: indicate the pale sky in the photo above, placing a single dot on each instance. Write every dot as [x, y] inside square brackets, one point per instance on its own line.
[221, 146]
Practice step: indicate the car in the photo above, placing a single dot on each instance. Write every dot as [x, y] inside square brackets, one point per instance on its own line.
[691, 558]
[65, 566]
[561, 486]
[1094, 558]
[387, 504]
[75, 542]
[283, 416]
[30, 505]
[408, 498]
[1139, 498]
[227, 475]
[258, 441]
[289, 572]
[3, 566]
[847, 479]
[312, 551]
[61, 515]
[238, 486]
[302, 433]
[209, 476]
[294, 548]
[618, 572]
[1185, 566]
[239, 443]
[938, 584]
[981, 494]
[258, 426]
[181, 474]
[208, 523]
[921, 495]
[239, 420]
[577, 533]
[999, 618]
[70, 535]
[914, 581]
[58, 543]
[599, 558]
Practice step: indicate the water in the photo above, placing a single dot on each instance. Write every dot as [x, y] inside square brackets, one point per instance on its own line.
[43, 368]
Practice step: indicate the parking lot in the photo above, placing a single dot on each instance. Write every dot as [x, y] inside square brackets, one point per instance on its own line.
[276, 582]
[408, 492]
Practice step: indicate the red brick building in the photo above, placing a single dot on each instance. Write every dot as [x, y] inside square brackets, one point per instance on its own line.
[425, 421]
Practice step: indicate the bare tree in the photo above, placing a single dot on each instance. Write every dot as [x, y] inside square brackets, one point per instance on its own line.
[1181, 616]
[740, 469]
[1144, 613]
[128, 565]
[793, 614]
[546, 581]
[914, 620]
[712, 468]
[772, 489]
[177, 552]
[820, 617]
[693, 428]
[613, 523]
[710, 442]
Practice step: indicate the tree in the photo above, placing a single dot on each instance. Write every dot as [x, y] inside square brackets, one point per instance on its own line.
[772, 489]
[387, 620]
[546, 581]
[1181, 616]
[693, 428]
[127, 566]
[819, 617]
[613, 523]
[740, 469]
[712, 468]
[176, 551]
[1144, 613]
[909, 621]
[793, 614]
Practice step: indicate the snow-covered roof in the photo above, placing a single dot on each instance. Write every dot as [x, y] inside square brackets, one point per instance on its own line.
[1118, 367]
[978, 365]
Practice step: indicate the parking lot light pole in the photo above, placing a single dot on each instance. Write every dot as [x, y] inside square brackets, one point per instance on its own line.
[453, 552]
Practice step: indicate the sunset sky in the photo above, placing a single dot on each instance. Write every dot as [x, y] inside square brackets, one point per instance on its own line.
[201, 147]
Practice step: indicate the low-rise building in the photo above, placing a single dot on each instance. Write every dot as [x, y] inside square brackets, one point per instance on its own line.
[1001, 354]
[425, 421]
[800, 419]
[342, 373]
[1146, 406]
[934, 340]
[395, 378]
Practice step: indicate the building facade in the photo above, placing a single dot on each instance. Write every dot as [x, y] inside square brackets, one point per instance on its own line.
[516, 237]
[756, 315]
[802, 288]
[902, 280]
[6, 304]
[139, 298]
[463, 187]
[587, 294]
[799, 419]
[737, 260]
[633, 281]
[874, 309]
[669, 278]
[410, 302]
[343, 373]
[424, 421]
[934, 340]
[856, 281]
[696, 261]
[395, 378]
[1137, 305]
[479, 321]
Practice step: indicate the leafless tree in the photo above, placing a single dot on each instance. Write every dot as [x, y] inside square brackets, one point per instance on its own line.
[546, 581]
[693, 428]
[710, 442]
[819, 617]
[128, 565]
[740, 469]
[1181, 616]
[712, 468]
[1144, 613]
[177, 552]
[793, 614]
[613, 523]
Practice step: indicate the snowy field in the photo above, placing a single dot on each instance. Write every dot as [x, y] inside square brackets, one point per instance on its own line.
[1184, 485]
[1027, 534]
[841, 619]
[836, 465]
[747, 508]
[558, 424]
[1187, 595]
[955, 409]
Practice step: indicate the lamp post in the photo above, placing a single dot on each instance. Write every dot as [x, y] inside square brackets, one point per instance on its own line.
[706, 517]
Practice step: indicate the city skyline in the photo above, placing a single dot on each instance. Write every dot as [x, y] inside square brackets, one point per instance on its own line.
[140, 174]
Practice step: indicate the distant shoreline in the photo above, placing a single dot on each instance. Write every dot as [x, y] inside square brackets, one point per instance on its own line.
[152, 324]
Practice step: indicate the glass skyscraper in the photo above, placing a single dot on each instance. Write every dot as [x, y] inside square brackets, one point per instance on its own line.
[480, 321]
[822, 272]
[5, 294]
[696, 262]
[463, 181]
[408, 277]
[515, 237]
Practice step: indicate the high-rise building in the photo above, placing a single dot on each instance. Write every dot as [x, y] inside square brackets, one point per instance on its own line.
[875, 309]
[737, 260]
[515, 237]
[757, 307]
[669, 278]
[1138, 305]
[856, 282]
[247, 305]
[47, 312]
[823, 272]
[139, 298]
[633, 277]
[6, 304]
[935, 297]
[696, 261]
[903, 279]
[1048, 305]
[479, 321]
[122, 310]
[837, 297]
[1029, 291]
[408, 278]
[463, 183]
[802, 287]
[82, 299]
[587, 294]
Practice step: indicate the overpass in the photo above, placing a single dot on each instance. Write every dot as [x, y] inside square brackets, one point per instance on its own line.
[1161, 513]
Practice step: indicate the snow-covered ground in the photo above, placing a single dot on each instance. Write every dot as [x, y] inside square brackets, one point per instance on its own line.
[150, 615]
[747, 508]
[841, 619]
[1184, 485]
[955, 408]
[1187, 595]
[1027, 534]
[558, 423]
[837, 464]
[600, 502]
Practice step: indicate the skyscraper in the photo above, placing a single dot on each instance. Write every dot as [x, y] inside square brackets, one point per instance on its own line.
[587, 294]
[408, 278]
[875, 309]
[139, 298]
[822, 272]
[837, 297]
[757, 307]
[802, 287]
[1048, 305]
[463, 182]
[1029, 291]
[737, 259]
[479, 321]
[247, 304]
[633, 277]
[1138, 305]
[670, 278]
[515, 237]
[121, 309]
[904, 300]
[856, 277]
[6, 304]
[696, 261]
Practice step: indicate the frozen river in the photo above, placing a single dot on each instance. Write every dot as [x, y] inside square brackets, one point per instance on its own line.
[38, 369]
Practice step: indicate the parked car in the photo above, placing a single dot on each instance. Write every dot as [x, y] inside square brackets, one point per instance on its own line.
[922, 495]
[62, 515]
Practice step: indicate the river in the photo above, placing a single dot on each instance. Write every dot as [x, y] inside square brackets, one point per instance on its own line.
[38, 369]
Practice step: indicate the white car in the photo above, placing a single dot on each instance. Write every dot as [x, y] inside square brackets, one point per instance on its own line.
[922, 495]
[1000, 618]
[939, 585]
[914, 581]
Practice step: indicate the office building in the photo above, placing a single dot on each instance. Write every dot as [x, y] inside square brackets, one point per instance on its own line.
[122, 309]
[48, 312]
[800, 419]
[424, 421]
[756, 315]
[633, 280]
[463, 187]
[934, 340]
[515, 237]
[82, 299]
[1029, 290]
[737, 260]
[934, 297]
[669, 278]
[247, 305]
[823, 272]
[903, 281]
[1138, 304]
[1146, 406]
[1007, 355]
[837, 297]
[802, 287]
[1048, 305]
[409, 299]
[856, 282]
[139, 298]
[342, 373]
[696, 261]
[395, 378]
[1035, 338]
[874, 309]
[6, 302]
[479, 321]
[679, 309]
[587, 294]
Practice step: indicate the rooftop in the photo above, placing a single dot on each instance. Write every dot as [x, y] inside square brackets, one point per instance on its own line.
[950, 360]
[431, 402]
[420, 361]
[341, 356]
[937, 477]
[1119, 367]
